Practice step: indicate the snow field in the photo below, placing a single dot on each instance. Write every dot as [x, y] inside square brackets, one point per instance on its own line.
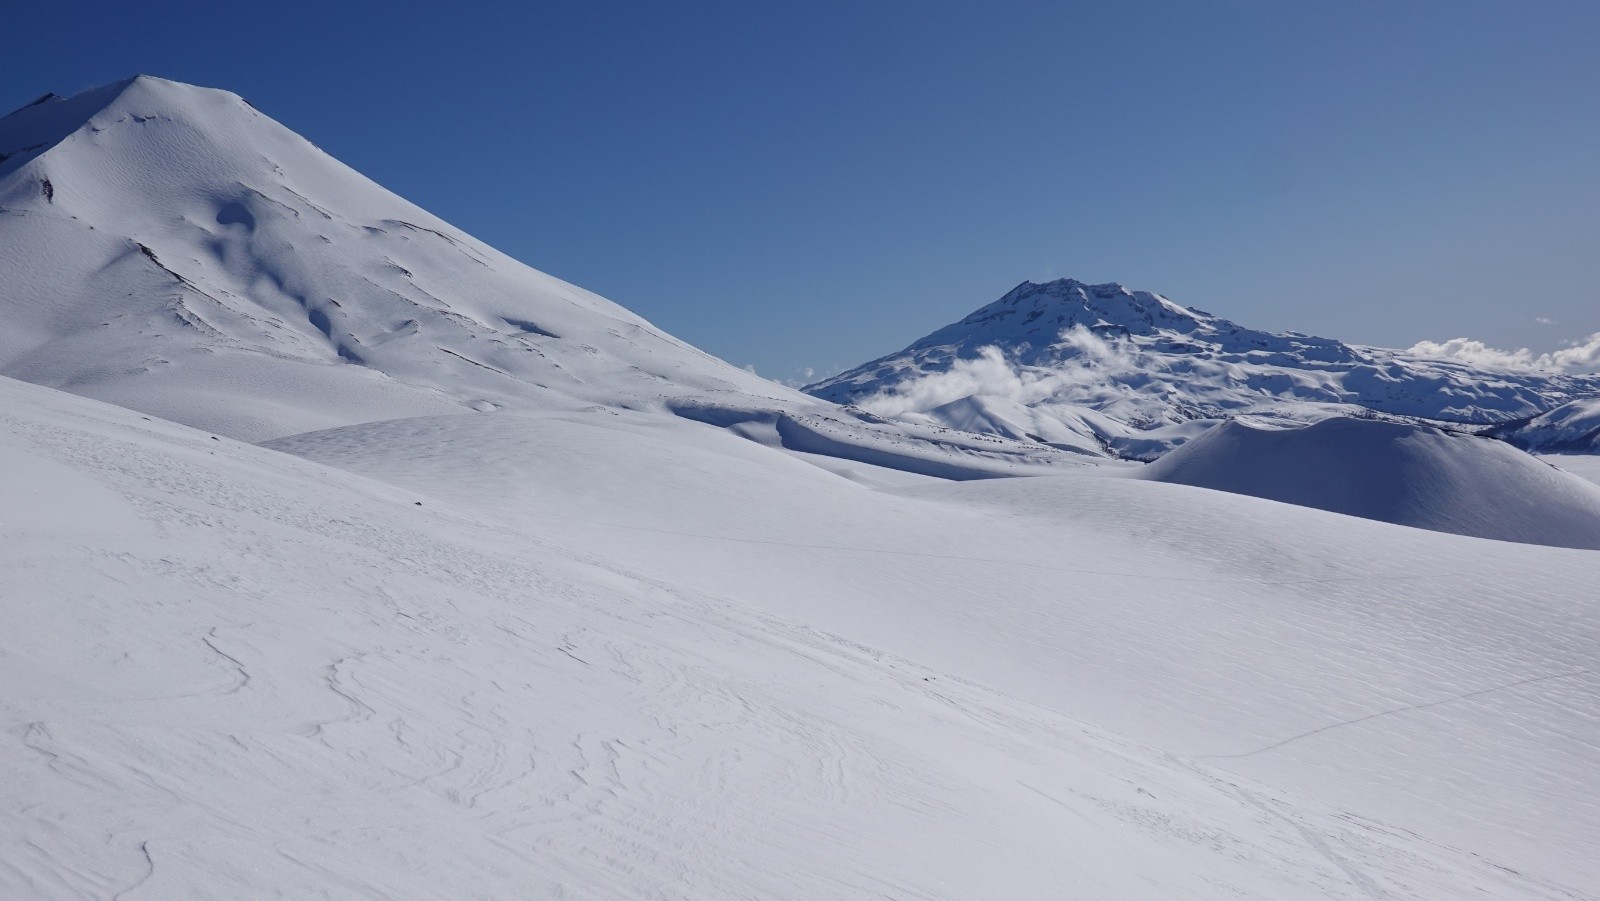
[1207, 624]
[234, 672]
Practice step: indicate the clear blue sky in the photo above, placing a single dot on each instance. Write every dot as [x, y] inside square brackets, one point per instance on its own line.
[814, 184]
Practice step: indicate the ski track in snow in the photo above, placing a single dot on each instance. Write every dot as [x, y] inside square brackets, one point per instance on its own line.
[1395, 712]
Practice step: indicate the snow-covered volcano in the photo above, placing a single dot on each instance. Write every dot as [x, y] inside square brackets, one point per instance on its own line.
[172, 249]
[1133, 373]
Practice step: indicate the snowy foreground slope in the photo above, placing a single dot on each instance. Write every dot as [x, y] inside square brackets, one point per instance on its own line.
[229, 672]
[1394, 472]
[1131, 373]
[1431, 682]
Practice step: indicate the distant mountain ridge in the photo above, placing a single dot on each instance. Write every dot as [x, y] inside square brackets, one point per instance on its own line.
[1572, 428]
[1103, 367]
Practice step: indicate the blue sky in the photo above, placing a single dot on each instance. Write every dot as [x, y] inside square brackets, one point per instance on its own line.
[810, 185]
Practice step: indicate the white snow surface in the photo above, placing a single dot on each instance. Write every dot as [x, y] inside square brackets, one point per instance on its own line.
[1071, 363]
[231, 672]
[523, 598]
[1272, 641]
[1401, 473]
[1583, 465]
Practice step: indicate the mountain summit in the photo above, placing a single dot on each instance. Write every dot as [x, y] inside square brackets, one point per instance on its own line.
[1102, 368]
[172, 249]
[1034, 309]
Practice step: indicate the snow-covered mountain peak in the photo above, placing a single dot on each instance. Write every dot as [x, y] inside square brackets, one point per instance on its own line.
[1034, 308]
[33, 129]
[1135, 374]
[1034, 316]
[1110, 297]
[172, 249]
[46, 97]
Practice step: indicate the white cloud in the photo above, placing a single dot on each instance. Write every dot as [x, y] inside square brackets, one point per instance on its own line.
[1577, 356]
[803, 376]
[1087, 358]
[1544, 320]
[1095, 348]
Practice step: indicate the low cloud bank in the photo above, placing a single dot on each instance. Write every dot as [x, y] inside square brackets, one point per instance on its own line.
[1581, 356]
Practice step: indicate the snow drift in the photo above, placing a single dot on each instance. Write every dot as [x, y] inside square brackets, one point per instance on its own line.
[1405, 474]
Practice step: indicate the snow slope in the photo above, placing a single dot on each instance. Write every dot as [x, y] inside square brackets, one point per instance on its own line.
[1065, 362]
[1585, 466]
[1394, 472]
[1431, 682]
[231, 673]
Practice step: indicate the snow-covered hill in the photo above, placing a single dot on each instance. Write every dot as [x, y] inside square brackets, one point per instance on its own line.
[1136, 374]
[1394, 472]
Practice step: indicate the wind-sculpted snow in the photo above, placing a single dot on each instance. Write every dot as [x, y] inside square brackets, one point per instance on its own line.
[170, 249]
[231, 673]
[1393, 472]
[1065, 363]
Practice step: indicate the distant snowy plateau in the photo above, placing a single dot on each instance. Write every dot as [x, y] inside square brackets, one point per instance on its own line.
[342, 555]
